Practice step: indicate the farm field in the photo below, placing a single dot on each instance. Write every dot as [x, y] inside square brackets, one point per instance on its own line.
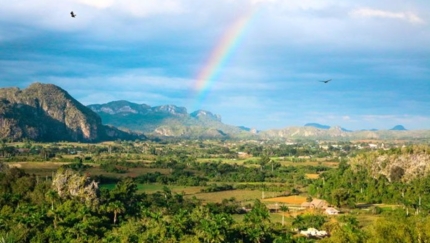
[217, 197]
[152, 188]
[48, 167]
[39, 168]
[295, 200]
[331, 164]
[312, 176]
[283, 161]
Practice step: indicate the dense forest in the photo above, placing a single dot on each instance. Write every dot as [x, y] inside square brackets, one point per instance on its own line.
[71, 205]
[69, 210]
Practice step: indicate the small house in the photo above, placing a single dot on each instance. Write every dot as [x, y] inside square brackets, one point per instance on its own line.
[316, 203]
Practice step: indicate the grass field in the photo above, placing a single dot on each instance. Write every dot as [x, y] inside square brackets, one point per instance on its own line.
[38, 168]
[239, 195]
[47, 168]
[331, 164]
[132, 172]
[152, 188]
[195, 191]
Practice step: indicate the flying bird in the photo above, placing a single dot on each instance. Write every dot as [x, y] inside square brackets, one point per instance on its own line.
[326, 81]
[72, 14]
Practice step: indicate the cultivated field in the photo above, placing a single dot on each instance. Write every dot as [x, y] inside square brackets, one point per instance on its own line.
[312, 176]
[296, 200]
[239, 195]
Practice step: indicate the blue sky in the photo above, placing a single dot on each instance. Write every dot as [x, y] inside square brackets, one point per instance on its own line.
[377, 54]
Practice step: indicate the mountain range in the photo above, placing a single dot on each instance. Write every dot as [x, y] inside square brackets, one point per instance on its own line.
[166, 120]
[45, 112]
[325, 127]
[173, 121]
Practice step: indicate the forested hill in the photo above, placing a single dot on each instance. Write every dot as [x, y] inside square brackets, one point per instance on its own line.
[396, 165]
[395, 176]
[45, 112]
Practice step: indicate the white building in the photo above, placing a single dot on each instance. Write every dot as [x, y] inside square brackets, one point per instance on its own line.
[314, 232]
[331, 211]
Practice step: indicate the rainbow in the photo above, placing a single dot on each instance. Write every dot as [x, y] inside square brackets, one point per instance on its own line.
[220, 54]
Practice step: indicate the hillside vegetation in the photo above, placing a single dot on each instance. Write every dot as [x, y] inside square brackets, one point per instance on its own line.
[395, 176]
[398, 164]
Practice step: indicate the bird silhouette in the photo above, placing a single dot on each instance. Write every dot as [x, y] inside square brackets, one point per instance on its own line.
[72, 14]
[326, 81]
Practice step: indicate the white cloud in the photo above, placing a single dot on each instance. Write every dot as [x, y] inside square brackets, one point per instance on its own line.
[146, 8]
[101, 4]
[370, 12]
[137, 8]
[131, 80]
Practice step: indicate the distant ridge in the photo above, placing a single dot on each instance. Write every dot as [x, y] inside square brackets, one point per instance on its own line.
[317, 125]
[171, 121]
[166, 120]
[398, 128]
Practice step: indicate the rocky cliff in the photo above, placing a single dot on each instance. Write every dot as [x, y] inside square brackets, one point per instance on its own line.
[400, 164]
[45, 112]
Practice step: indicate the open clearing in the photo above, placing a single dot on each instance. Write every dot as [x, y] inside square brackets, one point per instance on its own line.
[152, 188]
[195, 191]
[48, 167]
[38, 168]
[239, 195]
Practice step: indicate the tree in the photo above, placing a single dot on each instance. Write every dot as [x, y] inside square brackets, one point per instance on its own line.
[341, 197]
[3, 146]
[52, 196]
[264, 160]
[124, 190]
[284, 209]
[309, 221]
[115, 207]
[256, 222]
[212, 228]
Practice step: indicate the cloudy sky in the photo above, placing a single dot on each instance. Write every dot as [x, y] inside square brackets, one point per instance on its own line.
[257, 63]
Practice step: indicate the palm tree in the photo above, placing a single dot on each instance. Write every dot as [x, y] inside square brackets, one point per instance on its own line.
[52, 195]
[284, 209]
[8, 238]
[116, 208]
[3, 146]
[256, 222]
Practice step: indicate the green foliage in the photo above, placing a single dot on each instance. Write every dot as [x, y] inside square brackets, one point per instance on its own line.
[218, 188]
[77, 165]
[303, 222]
[33, 210]
[352, 184]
